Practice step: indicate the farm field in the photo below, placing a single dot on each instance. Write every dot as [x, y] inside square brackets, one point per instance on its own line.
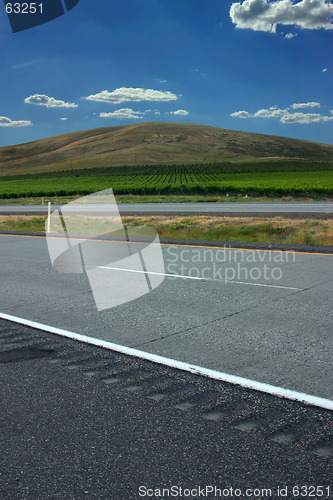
[172, 180]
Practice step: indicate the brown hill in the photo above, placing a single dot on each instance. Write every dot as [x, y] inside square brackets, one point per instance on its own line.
[153, 143]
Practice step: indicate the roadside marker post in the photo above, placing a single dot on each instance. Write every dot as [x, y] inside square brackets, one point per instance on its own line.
[48, 217]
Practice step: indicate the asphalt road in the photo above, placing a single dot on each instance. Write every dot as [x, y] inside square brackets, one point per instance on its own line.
[265, 316]
[293, 209]
[79, 422]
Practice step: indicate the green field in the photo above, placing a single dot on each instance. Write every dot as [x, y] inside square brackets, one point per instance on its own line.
[185, 179]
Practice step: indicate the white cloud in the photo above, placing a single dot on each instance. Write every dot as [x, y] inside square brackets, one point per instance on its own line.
[7, 122]
[303, 118]
[156, 112]
[285, 115]
[272, 112]
[324, 70]
[289, 36]
[179, 112]
[241, 114]
[63, 119]
[264, 15]
[127, 94]
[48, 102]
[302, 105]
[121, 114]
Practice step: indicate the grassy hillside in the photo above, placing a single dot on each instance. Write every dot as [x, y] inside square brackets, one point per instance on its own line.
[153, 144]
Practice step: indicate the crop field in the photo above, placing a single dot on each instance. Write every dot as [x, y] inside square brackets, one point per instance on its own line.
[186, 170]
[180, 179]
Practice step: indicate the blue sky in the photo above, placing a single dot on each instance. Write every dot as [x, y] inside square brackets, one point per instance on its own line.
[254, 65]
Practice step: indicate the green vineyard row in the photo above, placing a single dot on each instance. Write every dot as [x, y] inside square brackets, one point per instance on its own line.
[181, 181]
[226, 168]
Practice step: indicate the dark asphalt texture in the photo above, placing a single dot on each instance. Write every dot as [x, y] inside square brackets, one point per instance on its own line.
[317, 210]
[82, 422]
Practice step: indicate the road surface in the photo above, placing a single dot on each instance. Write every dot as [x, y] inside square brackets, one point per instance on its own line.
[265, 316]
[81, 422]
[292, 209]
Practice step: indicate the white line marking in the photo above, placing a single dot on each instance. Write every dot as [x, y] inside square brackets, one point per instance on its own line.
[179, 365]
[198, 278]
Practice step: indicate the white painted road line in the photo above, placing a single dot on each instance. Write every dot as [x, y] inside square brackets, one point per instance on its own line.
[199, 278]
[179, 365]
